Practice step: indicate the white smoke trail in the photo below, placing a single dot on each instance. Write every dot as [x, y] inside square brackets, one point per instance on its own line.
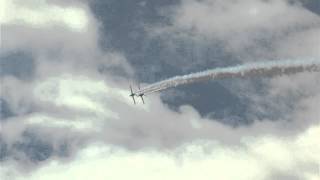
[271, 68]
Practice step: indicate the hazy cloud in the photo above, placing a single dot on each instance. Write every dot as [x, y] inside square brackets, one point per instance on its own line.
[247, 28]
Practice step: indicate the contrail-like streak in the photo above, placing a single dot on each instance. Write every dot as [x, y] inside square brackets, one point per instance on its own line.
[271, 68]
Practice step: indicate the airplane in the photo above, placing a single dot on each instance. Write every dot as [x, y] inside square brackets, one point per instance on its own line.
[141, 94]
[138, 95]
[132, 95]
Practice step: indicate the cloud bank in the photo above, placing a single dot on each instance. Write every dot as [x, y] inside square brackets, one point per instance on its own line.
[263, 158]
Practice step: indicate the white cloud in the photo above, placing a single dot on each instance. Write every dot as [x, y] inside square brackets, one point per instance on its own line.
[40, 13]
[79, 93]
[300, 44]
[56, 32]
[221, 18]
[259, 158]
[44, 120]
[246, 28]
[60, 46]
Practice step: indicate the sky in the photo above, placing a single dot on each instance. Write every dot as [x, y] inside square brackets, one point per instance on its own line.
[66, 68]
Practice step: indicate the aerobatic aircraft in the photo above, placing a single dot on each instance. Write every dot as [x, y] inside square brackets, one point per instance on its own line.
[132, 95]
[135, 94]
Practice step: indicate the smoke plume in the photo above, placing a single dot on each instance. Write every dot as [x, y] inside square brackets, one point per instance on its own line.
[271, 68]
